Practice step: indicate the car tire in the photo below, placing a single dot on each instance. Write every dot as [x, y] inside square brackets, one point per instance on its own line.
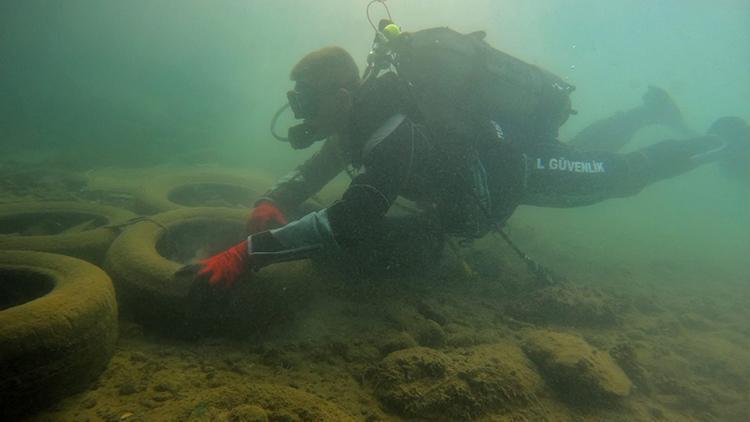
[172, 191]
[147, 283]
[102, 225]
[58, 328]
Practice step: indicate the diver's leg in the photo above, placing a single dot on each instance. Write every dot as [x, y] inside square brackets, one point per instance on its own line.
[403, 244]
[557, 175]
[614, 132]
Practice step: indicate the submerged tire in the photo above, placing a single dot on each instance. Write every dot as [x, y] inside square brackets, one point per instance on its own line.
[198, 189]
[79, 229]
[143, 260]
[58, 328]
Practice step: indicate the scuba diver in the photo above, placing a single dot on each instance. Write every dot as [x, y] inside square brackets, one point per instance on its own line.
[465, 173]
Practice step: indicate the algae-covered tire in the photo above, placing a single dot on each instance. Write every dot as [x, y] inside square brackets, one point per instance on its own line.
[143, 260]
[79, 229]
[198, 189]
[58, 327]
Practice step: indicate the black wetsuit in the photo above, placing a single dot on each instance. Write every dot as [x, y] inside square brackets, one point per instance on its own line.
[461, 186]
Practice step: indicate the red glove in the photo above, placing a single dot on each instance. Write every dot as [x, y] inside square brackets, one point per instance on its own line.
[224, 268]
[266, 215]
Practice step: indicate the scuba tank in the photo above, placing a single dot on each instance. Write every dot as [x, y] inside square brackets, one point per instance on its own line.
[459, 82]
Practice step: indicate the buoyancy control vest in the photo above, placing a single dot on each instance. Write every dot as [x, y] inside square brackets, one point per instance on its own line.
[459, 82]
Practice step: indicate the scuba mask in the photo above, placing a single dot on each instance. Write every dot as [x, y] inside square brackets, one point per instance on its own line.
[305, 103]
[305, 99]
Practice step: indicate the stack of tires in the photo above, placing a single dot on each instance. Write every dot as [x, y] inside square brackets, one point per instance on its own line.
[58, 308]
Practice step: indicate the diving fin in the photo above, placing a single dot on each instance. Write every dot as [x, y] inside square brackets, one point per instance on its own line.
[735, 164]
[663, 109]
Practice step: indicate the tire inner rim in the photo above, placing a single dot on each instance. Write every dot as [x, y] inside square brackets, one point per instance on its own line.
[19, 286]
[195, 240]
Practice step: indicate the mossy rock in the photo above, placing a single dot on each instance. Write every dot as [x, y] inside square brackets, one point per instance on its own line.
[425, 383]
[278, 402]
[580, 372]
[254, 402]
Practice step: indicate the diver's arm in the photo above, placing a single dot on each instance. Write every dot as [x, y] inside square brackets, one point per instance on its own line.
[349, 220]
[307, 179]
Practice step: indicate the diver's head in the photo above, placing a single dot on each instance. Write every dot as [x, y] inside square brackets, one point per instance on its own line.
[323, 94]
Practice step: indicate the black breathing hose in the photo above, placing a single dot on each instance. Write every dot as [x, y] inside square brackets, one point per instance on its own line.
[275, 118]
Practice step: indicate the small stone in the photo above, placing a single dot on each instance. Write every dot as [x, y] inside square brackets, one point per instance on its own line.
[430, 334]
[397, 342]
[127, 389]
[215, 384]
[694, 321]
[161, 397]
[165, 387]
[248, 413]
[138, 357]
[430, 313]
[149, 404]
